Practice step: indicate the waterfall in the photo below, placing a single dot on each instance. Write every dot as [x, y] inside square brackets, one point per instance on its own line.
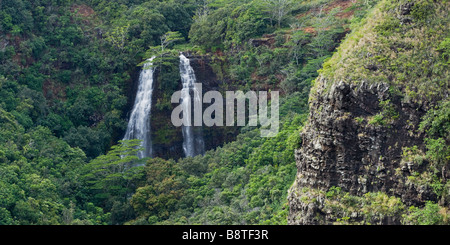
[193, 143]
[139, 124]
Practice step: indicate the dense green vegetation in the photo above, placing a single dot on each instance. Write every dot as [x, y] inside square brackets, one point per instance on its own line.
[404, 44]
[243, 182]
[409, 52]
[67, 70]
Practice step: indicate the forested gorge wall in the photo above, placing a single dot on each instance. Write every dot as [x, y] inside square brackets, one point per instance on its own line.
[376, 143]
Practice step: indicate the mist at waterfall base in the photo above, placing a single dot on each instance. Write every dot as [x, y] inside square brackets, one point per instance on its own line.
[139, 122]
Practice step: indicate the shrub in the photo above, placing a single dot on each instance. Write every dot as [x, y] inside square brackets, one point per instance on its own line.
[422, 9]
[444, 48]
[429, 215]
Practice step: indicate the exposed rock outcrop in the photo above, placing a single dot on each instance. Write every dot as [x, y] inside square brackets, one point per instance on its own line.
[343, 146]
[366, 155]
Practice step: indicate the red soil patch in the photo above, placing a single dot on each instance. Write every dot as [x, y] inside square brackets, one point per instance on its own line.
[86, 14]
[309, 30]
[343, 4]
[16, 41]
[267, 40]
[256, 77]
[17, 58]
[219, 53]
[53, 90]
[82, 10]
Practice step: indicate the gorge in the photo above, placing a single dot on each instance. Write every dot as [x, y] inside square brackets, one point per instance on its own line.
[364, 112]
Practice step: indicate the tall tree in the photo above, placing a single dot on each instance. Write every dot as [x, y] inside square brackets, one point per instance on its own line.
[108, 176]
[278, 9]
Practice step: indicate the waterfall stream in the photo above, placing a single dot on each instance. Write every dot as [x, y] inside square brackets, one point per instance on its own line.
[193, 143]
[139, 123]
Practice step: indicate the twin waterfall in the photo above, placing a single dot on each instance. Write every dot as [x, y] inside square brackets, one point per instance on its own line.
[139, 123]
[192, 141]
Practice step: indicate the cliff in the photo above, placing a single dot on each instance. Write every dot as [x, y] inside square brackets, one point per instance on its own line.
[365, 155]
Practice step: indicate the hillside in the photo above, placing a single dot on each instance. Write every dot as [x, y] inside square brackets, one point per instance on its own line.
[375, 148]
[364, 112]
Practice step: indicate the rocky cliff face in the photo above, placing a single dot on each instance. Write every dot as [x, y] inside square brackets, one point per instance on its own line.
[167, 139]
[343, 146]
[207, 72]
[365, 155]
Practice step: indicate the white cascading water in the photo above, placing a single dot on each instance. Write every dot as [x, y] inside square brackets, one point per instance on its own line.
[139, 124]
[193, 143]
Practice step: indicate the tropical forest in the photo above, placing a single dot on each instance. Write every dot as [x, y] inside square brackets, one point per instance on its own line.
[359, 90]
